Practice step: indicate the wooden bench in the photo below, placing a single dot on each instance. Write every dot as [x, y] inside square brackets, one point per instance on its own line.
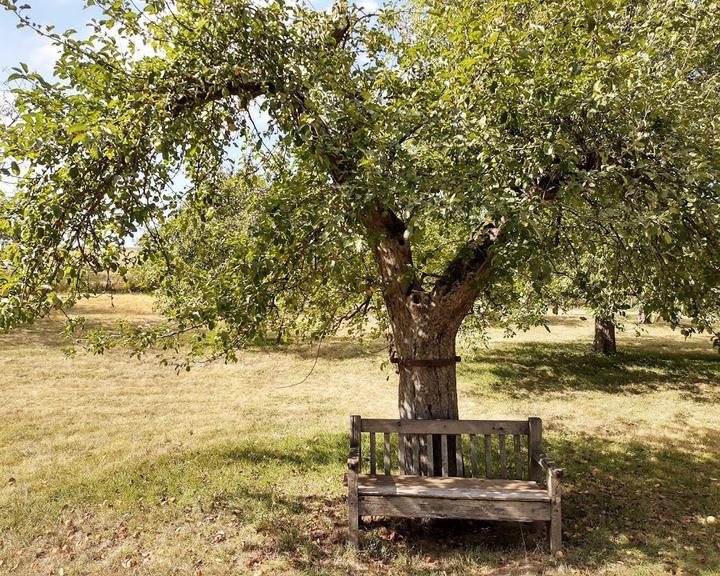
[500, 472]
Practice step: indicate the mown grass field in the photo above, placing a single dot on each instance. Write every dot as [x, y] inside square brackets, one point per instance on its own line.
[111, 465]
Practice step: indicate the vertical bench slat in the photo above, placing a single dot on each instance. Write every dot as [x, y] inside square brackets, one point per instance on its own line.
[535, 437]
[401, 453]
[430, 456]
[422, 447]
[443, 442]
[372, 453]
[518, 460]
[503, 456]
[488, 457]
[473, 455]
[408, 454]
[415, 445]
[386, 453]
[459, 456]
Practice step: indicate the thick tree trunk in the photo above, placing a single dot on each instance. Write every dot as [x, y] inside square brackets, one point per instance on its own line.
[427, 387]
[428, 392]
[604, 342]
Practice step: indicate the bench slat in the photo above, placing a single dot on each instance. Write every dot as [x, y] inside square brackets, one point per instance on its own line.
[503, 456]
[430, 455]
[372, 453]
[451, 487]
[401, 453]
[488, 457]
[445, 426]
[444, 448]
[518, 456]
[415, 445]
[413, 507]
[473, 455]
[422, 447]
[386, 453]
[459, 457]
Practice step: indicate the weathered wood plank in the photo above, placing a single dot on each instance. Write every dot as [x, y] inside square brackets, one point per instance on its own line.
[373, 454]
[401, 454]
[535, 433]
[414, 507]
[430, 455]
[488, 457]
[451, 487]
[445, 426]
[416, 454]
[386, 453]
[444, 448]
[473, 455]
[352, 480]
[356, 436]
[353, 510]
[459, 464]
[555, 490]
[503, 456]
[517, 450]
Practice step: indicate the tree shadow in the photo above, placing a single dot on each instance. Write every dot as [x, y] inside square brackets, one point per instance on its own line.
[629, 502]
[630, 499]
[622, 502]
[533, 368]
[42, 333]
[334, 348]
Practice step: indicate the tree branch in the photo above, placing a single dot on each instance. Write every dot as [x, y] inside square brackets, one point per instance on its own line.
[457, 287]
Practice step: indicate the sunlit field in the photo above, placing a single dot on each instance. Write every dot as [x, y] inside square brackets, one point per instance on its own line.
[113, 465]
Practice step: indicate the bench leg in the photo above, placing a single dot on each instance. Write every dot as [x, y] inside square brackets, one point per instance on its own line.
[555, 527]
[353, 516]
[354, 531]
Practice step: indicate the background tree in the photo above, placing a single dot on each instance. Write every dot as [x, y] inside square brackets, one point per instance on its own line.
[433, 161]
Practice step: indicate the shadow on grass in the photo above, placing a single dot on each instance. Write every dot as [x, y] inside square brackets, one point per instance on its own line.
[534, 368]
[623, 502]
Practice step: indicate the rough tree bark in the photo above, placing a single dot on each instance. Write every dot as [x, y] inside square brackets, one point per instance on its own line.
[604, 342]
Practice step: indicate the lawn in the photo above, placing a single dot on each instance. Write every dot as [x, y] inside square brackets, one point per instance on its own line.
[112, 465]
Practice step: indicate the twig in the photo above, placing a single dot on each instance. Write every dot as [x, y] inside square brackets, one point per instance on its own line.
[317, 355]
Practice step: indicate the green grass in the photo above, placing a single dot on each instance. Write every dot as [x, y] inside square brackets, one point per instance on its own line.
[110, 465]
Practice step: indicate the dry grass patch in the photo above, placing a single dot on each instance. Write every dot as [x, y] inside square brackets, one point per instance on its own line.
[111, 465]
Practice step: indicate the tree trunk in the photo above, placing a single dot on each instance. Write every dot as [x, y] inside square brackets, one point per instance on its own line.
[427, 387]
[424, 326]
[428, 392]
[604, 336]
[642, 317]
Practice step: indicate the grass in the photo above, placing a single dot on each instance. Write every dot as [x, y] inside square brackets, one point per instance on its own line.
[111, 465]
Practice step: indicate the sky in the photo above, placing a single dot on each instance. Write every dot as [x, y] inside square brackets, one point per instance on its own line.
[24, 45]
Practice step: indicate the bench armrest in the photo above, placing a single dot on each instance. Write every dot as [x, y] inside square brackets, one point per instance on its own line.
[353, 461]
[553, 476]
[549, 466]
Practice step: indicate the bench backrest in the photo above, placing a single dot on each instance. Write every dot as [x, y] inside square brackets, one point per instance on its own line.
[471, 448]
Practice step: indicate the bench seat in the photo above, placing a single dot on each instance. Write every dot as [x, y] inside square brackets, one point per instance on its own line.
[455, 488]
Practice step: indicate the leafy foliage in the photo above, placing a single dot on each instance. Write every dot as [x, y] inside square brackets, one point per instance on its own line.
[484, 154]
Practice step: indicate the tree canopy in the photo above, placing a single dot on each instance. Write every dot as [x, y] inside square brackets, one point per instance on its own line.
[432, 162]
